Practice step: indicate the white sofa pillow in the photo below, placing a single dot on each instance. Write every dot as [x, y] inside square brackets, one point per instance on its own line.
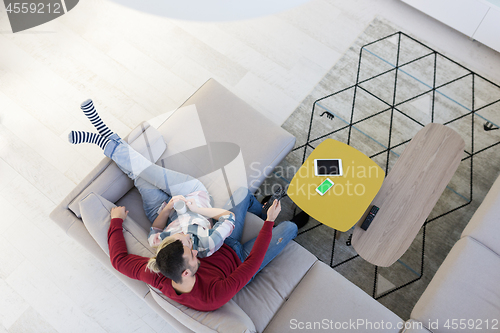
[96, 215]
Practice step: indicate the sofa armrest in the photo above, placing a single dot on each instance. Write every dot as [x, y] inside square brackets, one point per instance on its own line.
[464, 287]
[325, 294]
[484, 225]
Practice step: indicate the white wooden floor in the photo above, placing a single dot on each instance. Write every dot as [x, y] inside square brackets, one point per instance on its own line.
[135, 67]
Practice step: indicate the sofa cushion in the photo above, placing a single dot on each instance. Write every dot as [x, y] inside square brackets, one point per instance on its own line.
[324, 299]
[485, 224]
[274, 284]
[465, 287]
[96, 216]
[112, 183]
[229, 318]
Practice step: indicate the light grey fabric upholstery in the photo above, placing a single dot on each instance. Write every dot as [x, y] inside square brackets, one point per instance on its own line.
[153, 304]
[466, 286]
[485, 224]
[271, 288]
[96, 216]
[323, 295]
[111, 184]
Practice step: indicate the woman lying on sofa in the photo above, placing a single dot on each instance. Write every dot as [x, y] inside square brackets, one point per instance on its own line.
[204, 284]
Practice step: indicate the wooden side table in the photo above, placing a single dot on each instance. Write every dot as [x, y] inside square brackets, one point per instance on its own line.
[345, 203]
[409, 193]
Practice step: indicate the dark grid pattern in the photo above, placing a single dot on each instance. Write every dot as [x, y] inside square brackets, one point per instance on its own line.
[394, 105]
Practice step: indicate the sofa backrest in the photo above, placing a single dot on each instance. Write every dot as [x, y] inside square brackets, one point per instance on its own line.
[253, 144]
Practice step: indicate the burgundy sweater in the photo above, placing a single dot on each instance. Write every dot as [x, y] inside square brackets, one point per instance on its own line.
[218, 278]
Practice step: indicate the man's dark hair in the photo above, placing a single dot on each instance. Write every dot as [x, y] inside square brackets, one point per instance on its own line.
[170, 261]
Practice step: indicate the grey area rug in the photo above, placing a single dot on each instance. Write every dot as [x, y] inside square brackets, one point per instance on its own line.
[399, 286]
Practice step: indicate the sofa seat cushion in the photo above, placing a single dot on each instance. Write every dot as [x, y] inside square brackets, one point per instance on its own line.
[485, 224]
[466, 286]
[324, 298]
[274, 284]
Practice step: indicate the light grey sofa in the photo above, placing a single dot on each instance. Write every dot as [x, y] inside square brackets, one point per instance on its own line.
[292, 292]
[295, 292]
[464, 294]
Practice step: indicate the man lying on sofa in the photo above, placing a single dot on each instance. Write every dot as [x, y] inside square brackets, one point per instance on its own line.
[176, 259]
[202, 284]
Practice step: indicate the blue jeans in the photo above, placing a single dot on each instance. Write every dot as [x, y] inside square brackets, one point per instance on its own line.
[156, 184]
[282, 233]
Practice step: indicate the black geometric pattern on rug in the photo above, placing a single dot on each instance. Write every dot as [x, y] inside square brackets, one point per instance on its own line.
[464, 110]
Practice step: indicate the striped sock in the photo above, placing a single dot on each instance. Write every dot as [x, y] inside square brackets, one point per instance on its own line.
[76, 137]
[91, 113]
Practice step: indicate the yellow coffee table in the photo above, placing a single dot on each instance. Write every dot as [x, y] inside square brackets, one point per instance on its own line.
[346, 202]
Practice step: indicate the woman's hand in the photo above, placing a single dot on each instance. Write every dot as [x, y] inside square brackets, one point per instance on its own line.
[191, 204]
[274, 211]
[174, 199]
[119, 212]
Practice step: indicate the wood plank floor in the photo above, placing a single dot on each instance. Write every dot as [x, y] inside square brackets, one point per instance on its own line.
[135, 67]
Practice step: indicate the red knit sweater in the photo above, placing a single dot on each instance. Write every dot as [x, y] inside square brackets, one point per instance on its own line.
[218, 278]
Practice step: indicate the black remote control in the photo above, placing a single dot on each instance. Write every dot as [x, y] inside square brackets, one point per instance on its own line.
[277, 195]
[369, 218]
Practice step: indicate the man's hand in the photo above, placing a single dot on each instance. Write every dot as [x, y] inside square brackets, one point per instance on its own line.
[274, 211]
[119, 212]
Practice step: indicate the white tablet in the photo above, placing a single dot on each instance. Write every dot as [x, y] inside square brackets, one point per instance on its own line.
[328, 167]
